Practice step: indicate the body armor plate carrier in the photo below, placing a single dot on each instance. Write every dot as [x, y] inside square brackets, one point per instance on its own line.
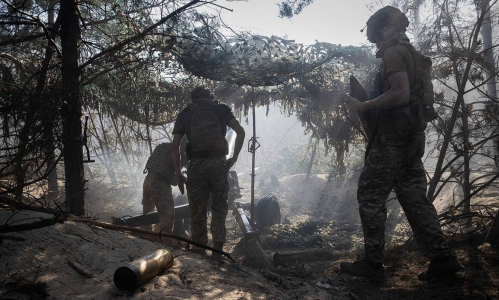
[205, 131]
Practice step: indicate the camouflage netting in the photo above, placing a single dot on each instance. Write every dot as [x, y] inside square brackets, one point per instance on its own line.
[256, 60]
[305, 80]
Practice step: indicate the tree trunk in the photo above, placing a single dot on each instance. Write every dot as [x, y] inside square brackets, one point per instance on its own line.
[461, 81]
[491, 85]
[466, 156]
[417, 21]
[71, 108]
[53, 187]
[149, 139]
[486, 32]
[312, 158]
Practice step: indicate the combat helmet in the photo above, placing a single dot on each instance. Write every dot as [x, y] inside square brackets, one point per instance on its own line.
[201, 92]
[389, 21]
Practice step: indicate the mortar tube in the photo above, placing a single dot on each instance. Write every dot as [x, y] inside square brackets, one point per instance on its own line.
[182, 211]
[129, 277]
[244, 223]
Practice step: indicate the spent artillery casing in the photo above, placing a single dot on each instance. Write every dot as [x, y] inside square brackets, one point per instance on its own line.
[132, 275]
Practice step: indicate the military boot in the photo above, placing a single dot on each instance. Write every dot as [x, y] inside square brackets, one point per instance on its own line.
[215, 255]
[440, 268]
[361, 268]
[219, 246]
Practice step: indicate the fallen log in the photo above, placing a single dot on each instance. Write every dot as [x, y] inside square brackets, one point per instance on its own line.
[31, 226]
[149, 232]
[309, 255]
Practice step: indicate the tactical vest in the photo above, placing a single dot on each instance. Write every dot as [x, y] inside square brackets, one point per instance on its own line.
[413, 117]
[160, 163]
[206, 139]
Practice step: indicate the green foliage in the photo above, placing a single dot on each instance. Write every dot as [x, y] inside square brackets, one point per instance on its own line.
[289, 8]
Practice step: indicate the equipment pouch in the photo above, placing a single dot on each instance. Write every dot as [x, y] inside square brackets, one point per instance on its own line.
[409, 119]
[188, 151]
[403, 120]
[419, 116]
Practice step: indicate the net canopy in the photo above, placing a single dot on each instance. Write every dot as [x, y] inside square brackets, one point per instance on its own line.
[256, 60]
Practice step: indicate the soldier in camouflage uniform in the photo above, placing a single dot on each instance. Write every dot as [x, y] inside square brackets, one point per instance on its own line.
[205, 122]
[157, 190]
[157, 193]
[394, 160]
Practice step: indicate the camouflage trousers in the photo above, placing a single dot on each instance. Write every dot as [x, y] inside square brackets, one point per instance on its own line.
[207, 178]
[394, 163]
[157, 192]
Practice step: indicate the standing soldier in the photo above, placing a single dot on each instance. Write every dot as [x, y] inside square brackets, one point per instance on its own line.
[205, 122]
[157, 190]
[398, 144]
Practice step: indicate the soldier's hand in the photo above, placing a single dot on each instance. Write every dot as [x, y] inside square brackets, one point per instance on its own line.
[180, 183]
[352, 102]
[230, 162]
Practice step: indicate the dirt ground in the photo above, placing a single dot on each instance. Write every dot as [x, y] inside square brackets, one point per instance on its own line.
[39, 268]
[316, 214]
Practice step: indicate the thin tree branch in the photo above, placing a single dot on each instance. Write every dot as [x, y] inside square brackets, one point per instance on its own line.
[139, 35]
[40, 23]
[148, 232]
[472, 194]
[22, 39]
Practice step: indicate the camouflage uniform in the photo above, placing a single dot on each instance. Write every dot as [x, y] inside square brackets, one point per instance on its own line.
[157, 192]
[207, 177]
[205, 122]
[395, 162]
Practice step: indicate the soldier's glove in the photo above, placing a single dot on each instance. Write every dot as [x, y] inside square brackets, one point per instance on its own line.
[181, 181]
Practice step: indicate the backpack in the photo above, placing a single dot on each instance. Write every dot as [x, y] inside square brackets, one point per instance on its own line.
[423, 87]
[160, 163]
[414, 117]
[205, 131]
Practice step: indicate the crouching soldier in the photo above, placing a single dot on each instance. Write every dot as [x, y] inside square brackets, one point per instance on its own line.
[157, 190]
[404, 105]
[205, 122]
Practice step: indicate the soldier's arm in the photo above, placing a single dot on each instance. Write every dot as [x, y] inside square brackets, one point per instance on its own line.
[239, 130]
[176, 161]
[398, 95]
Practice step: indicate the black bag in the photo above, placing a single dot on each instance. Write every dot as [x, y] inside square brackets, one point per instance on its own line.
[413, 117]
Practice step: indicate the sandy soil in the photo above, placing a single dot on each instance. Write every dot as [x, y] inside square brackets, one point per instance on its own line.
[38, 267]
